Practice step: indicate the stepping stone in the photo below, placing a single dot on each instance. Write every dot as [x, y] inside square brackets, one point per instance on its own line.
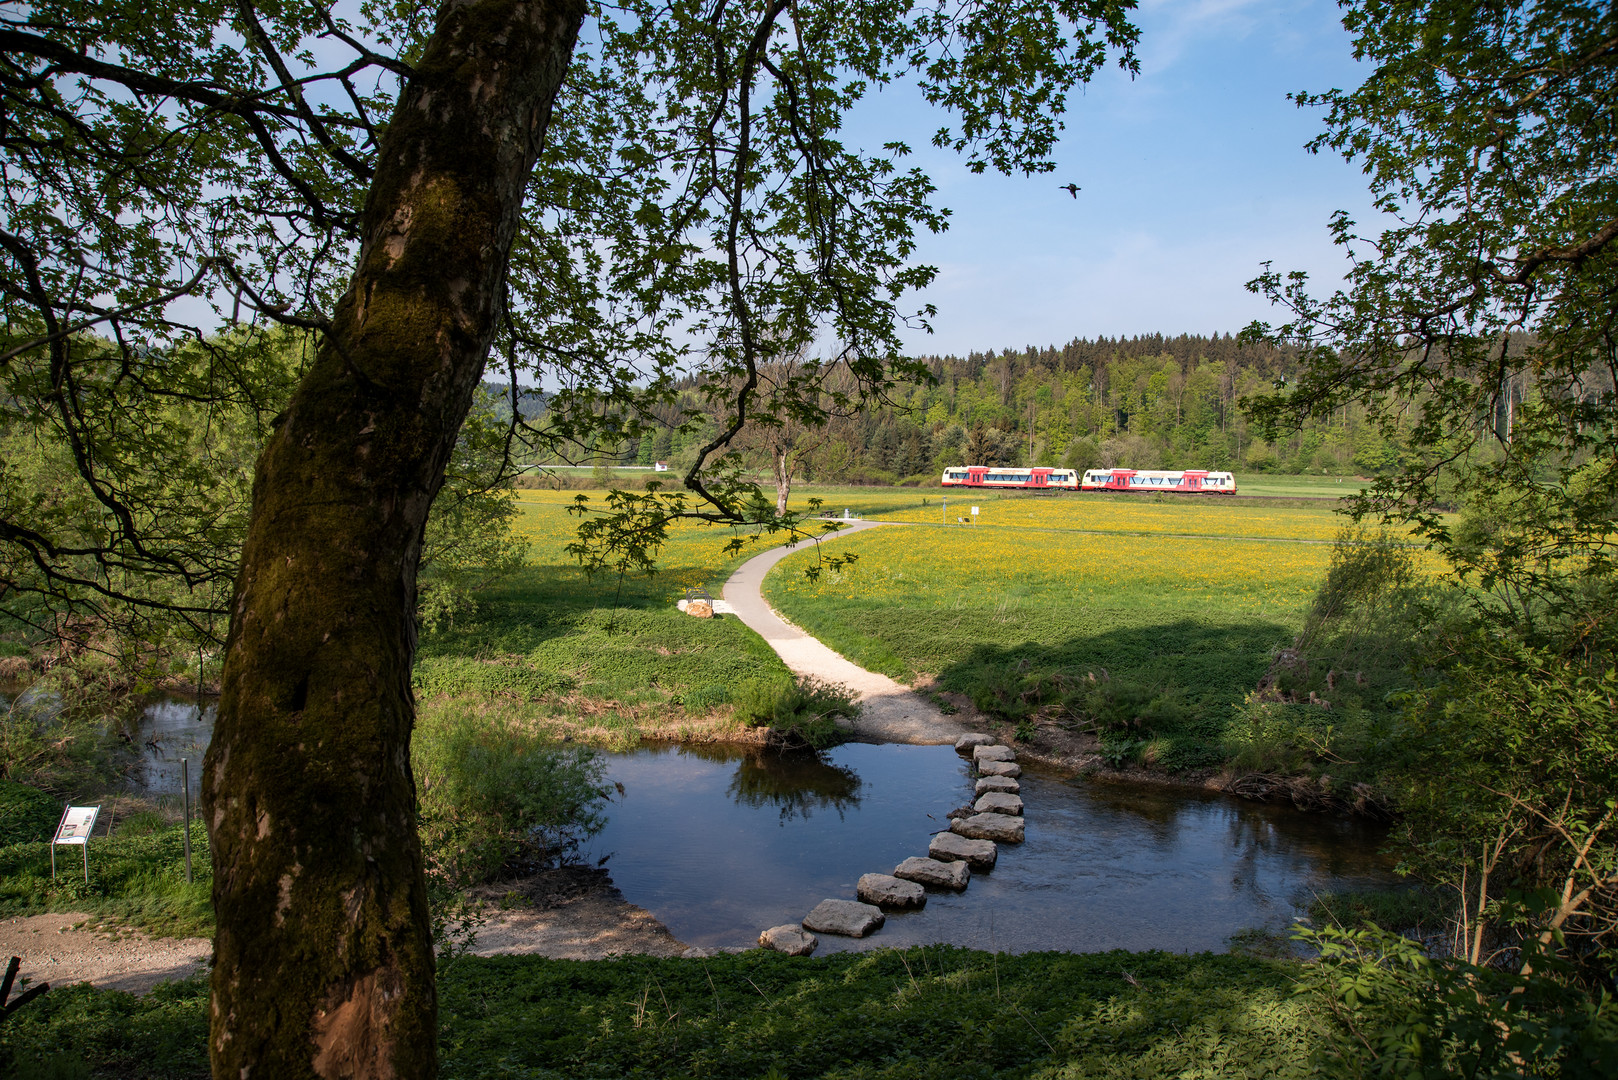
[980, 754]
[978, 854]
[940, 875]
[789, 938]
[889, 893]
[999, 802]
[1002, 828]
[999, 768]
[998, 783]
[966, 743]
[845, 918]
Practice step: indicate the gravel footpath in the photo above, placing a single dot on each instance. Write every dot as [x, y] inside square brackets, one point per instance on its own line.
[65, 948]
[891, 712]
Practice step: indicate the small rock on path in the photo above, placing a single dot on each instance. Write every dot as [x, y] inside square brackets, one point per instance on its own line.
[890, 893]
[999, 802]
[980, 855]
[789, 938]
[1001, 828]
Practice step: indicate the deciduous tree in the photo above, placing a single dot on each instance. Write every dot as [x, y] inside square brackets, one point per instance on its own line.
[420, 187]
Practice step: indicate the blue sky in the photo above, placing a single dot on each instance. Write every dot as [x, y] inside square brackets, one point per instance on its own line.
[1193, 174]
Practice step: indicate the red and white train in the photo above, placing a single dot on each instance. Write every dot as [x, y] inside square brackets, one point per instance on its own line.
[1185, 482]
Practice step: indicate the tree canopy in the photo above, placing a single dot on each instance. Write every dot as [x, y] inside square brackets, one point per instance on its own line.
[1479, 324]
[603, 196]
[1479, 328]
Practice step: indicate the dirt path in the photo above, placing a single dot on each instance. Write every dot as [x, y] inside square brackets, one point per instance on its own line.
[568, 913]
[891, 713]
[65, 948]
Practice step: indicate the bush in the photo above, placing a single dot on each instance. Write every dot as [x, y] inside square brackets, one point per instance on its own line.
[27, 815]
[1394, 1011]
[497, 797]
[46, 744]
[800, 712]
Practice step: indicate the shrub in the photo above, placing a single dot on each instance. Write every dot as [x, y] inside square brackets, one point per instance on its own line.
[800, 712]
[1394, 1011]
[27, 814]
[496, 796]
[46, 744]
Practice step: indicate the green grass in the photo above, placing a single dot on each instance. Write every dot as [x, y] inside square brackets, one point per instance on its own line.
[136, 877]
[1135, 613]
[894, 1015]
[1305, 487]
[604, 660]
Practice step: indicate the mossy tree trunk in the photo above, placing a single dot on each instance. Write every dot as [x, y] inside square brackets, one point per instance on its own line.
[323, 954]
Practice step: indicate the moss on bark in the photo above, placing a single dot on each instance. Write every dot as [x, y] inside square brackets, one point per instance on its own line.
[323, 956]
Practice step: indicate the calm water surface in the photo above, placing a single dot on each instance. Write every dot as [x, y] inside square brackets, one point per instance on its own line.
[720, 843]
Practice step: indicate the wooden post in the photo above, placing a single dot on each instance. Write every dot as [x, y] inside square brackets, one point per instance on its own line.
[185, 800]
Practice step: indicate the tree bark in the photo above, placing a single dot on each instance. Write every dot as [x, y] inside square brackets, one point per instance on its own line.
[323, 957]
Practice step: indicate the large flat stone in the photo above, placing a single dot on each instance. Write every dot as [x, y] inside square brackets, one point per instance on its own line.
[999, 802]
[845, 918]
[790, 938]
[999, 768]
[978, 854]
[997, 752]
[1001, 828]
[890, 893]
[940, 875]
[987, 784]
[966, 743]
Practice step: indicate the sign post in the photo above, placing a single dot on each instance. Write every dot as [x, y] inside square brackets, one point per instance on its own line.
[946, 509]
[185, 788]
[974, 515]
[74, 828]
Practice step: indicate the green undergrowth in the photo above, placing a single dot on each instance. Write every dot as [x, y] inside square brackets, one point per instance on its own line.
[137, 876]
[27, 815]
[910, 1014]
[916, 1013]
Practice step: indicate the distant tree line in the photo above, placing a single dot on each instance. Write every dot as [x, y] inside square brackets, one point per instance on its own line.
[1144, 402]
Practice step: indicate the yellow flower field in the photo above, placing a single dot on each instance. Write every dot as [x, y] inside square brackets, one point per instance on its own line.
[694, 555]
[986, 567]
[1184, 517]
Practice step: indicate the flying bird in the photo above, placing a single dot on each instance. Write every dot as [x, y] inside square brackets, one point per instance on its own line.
[1071, 189]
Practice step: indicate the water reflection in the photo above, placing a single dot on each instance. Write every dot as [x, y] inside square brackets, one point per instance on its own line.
[169, 731]
[720, 842]
[796, 784]
[1105, 866]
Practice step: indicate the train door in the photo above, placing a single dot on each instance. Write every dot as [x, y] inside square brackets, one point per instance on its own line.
[975, 474]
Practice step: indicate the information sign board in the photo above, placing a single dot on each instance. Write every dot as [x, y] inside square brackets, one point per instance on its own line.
[74, 828]
[76, 824]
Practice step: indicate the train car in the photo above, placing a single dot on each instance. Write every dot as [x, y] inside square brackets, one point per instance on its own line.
[1183, 482]
[1000, 476]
